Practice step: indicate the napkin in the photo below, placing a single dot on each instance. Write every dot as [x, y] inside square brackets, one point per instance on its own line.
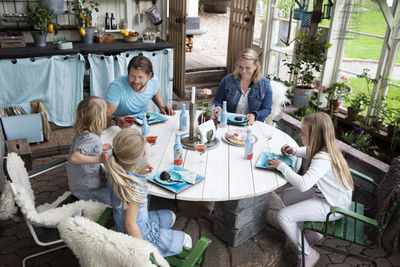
[187, 176]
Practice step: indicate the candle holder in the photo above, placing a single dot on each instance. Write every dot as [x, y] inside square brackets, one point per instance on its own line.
[191, 139]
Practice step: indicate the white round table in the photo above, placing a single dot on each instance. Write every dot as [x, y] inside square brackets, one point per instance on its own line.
[228, 176]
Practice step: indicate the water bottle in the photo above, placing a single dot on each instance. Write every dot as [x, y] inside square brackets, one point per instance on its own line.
[224, 115]
[248, 146]
[183, 119]
[145, 126]
[178, 151]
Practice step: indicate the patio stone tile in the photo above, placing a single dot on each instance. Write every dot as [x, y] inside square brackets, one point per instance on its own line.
[374, 253]
[355, 261]
[248, 252]
[383, 262]
[336, 257]
[339, 265]
[324, 260]
[193, 229]
[395, 258]
[355, 248]
[335, 242]
[180, 223]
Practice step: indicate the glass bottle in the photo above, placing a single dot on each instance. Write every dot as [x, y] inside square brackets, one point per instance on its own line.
[178, 151]
[183, 119]
[113, 24]
[107, 22]
[224, 115]
[248, 146]
[145, 126]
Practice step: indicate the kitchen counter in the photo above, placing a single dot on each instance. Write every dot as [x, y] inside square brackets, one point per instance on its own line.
[96, 48]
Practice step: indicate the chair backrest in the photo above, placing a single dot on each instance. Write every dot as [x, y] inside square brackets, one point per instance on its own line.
[97, 246]
[279, 99]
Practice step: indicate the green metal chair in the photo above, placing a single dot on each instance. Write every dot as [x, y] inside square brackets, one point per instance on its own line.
[351, 226]
[188, 258]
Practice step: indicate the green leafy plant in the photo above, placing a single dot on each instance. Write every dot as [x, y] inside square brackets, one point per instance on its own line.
[284, 7]
[83, 12]
[359, 101]
[40, 18]
[310, 55]
[339, 90]
[359, 140]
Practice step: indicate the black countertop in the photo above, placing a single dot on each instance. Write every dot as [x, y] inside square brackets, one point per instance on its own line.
[96, 48]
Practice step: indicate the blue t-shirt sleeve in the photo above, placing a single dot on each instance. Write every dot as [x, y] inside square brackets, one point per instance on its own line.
[114, 94]
[153, 85]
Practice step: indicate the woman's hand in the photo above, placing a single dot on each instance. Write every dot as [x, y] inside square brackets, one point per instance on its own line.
[250, 118]
[287, 150]
[274, 163]
[107, 147]
[217, 111]
[103, 157]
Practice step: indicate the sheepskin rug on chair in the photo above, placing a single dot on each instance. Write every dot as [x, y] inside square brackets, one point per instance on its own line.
[279, 99]
[97, 246]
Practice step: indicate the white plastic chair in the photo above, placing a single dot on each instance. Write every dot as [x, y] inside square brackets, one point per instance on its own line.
[47, 215]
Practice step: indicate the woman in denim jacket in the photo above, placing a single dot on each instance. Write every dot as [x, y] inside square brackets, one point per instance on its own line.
[245, 91]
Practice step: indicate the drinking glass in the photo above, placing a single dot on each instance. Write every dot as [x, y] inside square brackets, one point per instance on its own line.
[267, 133]
[201, 148]
[151, 140]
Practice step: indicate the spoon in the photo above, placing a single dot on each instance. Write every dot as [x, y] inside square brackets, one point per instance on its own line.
[165, 176]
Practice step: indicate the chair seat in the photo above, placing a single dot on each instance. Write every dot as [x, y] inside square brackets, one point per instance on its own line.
[346, 229]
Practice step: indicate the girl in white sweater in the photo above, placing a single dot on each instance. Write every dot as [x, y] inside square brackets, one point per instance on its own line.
[326, 182]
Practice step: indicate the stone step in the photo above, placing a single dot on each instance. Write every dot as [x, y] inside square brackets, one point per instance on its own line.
[204, 75]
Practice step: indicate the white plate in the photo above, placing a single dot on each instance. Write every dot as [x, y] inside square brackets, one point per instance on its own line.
[255, 139]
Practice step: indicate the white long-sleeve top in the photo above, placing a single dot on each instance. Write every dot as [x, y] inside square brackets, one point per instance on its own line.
[319, 173]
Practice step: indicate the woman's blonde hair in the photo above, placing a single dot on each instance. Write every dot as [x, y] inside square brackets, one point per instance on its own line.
[250, 54]
[91, 116]
[128, 149]
[321, 136]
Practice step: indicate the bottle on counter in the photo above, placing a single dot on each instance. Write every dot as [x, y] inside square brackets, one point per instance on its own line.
[224, 115]
[107, 22]
[113, 23]
[183, 119]
[178, 151]
[145, 126]
[248, 146]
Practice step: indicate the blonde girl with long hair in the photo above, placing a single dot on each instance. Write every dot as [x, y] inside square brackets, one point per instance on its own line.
[128, 193]
[85, 178]
[245, 90]
[326, 182]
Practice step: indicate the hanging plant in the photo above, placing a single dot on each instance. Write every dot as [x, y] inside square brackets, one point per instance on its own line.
[40, 18]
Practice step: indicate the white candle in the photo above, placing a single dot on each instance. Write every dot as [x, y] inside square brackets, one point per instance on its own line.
[193, 94]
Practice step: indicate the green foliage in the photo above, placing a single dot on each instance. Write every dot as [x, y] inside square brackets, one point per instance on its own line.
[310, 54]
[339, 90]
[360, 141]
[83, 12]
[39, 17]
[284, 8]
[359, 101]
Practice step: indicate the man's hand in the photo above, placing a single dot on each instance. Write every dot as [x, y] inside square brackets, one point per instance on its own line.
[167, 110]
[122, 123]
[250, 118]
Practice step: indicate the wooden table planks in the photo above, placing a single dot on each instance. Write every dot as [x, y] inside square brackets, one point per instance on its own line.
[228, 176]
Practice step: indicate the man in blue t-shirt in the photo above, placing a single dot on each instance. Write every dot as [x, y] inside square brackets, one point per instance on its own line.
[130, 94]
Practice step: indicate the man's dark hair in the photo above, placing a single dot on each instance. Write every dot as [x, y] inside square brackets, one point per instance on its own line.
[141, 63]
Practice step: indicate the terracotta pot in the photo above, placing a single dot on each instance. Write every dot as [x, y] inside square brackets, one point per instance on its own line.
[351, 114]
[334, 105]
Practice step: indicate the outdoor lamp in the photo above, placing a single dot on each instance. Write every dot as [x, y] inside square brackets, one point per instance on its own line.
[327, 10]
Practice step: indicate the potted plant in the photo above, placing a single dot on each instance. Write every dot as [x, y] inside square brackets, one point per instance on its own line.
[337, 93]
[357, 103]
[309, 56]
[40, 18]
[207, 114]
[83, 17]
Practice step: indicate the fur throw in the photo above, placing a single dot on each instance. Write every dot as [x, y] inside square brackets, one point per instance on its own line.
[7, 203]
[386, 194]
[45, 215]
[97, 246]
[279, 99]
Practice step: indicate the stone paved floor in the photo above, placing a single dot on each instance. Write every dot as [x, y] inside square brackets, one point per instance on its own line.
[267, 248]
